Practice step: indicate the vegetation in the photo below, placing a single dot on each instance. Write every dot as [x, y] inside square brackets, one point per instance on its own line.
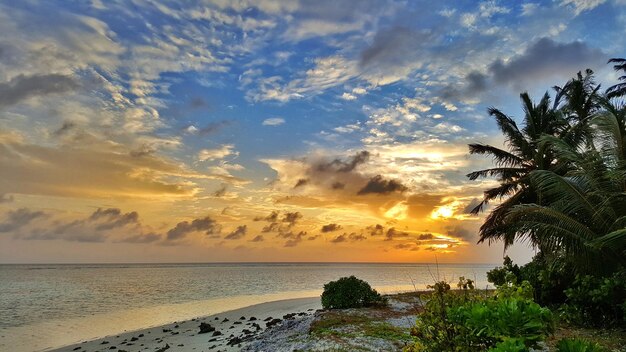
[349, 292]
[562, 188]
[469, 320]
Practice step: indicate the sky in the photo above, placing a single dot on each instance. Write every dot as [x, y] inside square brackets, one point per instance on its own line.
[269, 130]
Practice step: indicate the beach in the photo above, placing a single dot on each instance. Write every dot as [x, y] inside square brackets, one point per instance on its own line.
[229, 328]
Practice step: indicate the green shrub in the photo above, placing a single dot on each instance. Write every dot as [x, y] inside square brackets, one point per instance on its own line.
[578, 345]
[467, 320]
[596, 301]
[349, 292]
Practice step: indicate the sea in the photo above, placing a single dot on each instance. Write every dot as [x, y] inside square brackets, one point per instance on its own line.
[45, 306]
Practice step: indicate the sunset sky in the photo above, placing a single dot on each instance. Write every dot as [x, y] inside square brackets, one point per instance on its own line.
[203, 131]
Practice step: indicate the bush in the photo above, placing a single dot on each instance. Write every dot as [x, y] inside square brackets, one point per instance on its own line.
[578, 345]
[466, 320]
[349, 292]
[596, 301]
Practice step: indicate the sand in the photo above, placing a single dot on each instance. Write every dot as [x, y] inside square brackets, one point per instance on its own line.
[184, 335]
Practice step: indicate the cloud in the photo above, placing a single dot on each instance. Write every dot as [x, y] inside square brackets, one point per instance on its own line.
[220, 192]
[544, 59]
[237, 233]
[93, 170]
[23, 87]
[378, 185]
[16, 219]
[392, 234]
[347, 96]
[208, 129]
[141, 238]
[293, 239]
[330, 228]
[217, 153]
[582, 5]
[338, 165]
[273, 121]
[375, 230]
[301, 182]
[258, 238]
[207, 225]
[292, 217]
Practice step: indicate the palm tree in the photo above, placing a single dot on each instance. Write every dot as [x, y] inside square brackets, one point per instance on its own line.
[523, 155]
[583, 213]
[619, 89]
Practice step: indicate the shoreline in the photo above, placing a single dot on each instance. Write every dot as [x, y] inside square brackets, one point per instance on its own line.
[184, 335]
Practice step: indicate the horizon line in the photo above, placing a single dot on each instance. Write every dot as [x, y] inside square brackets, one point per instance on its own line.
[241, 262]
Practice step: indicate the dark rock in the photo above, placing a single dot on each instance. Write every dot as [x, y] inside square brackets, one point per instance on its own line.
[112, 348]
[225, 320]
[104, 343]
[246, 331]
[216, 318]
[242, 318]
[76, 348]
[175, 333]
[204, 328]
[310, 310]
[176, 326]
[180, 345]
[140, 335]
[234, 341]
[289, 316]
[273, 322]
[163, 349]
[217, 333]
[252, 318]
[256, 326]
[237, 323]
[232, 327]
[134, 338]
[167, 330]
[268, 319]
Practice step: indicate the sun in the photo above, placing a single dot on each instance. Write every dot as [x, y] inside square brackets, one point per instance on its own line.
[443, 212]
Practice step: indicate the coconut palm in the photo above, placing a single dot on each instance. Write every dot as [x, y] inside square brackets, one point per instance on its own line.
[618, 90]
[583, 213]
[523, 155]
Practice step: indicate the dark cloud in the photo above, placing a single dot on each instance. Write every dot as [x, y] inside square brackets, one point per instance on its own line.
[65, 128]
[237, 233]
[475, 83]
[182, 229]
[291, 218]
[338, 165]
[378, 185]
[220, 192]
[301, 182]
[356, 237]
[545, 58]
[392, 233]
[330, 228]
[16, 219]
[198, 103]
[461, 233]
[425, 236]
[339, 239]
[271, 227]
[142, 238]
[338, 185]
[313, 238]
[293, 239]
[393, 48]
[114, 218]
[22, 87]
[407, 246]
[375, 230]
[273, 217]
[258, 238]
[213, 127]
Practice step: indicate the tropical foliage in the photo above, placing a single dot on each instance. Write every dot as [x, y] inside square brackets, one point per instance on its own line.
[563, 176]
[349, 292]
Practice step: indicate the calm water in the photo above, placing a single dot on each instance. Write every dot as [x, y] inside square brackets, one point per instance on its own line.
[78, 302]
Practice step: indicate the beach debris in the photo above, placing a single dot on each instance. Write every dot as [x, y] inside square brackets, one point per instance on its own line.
[163, 349]
[204, 328]
[273, 322]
